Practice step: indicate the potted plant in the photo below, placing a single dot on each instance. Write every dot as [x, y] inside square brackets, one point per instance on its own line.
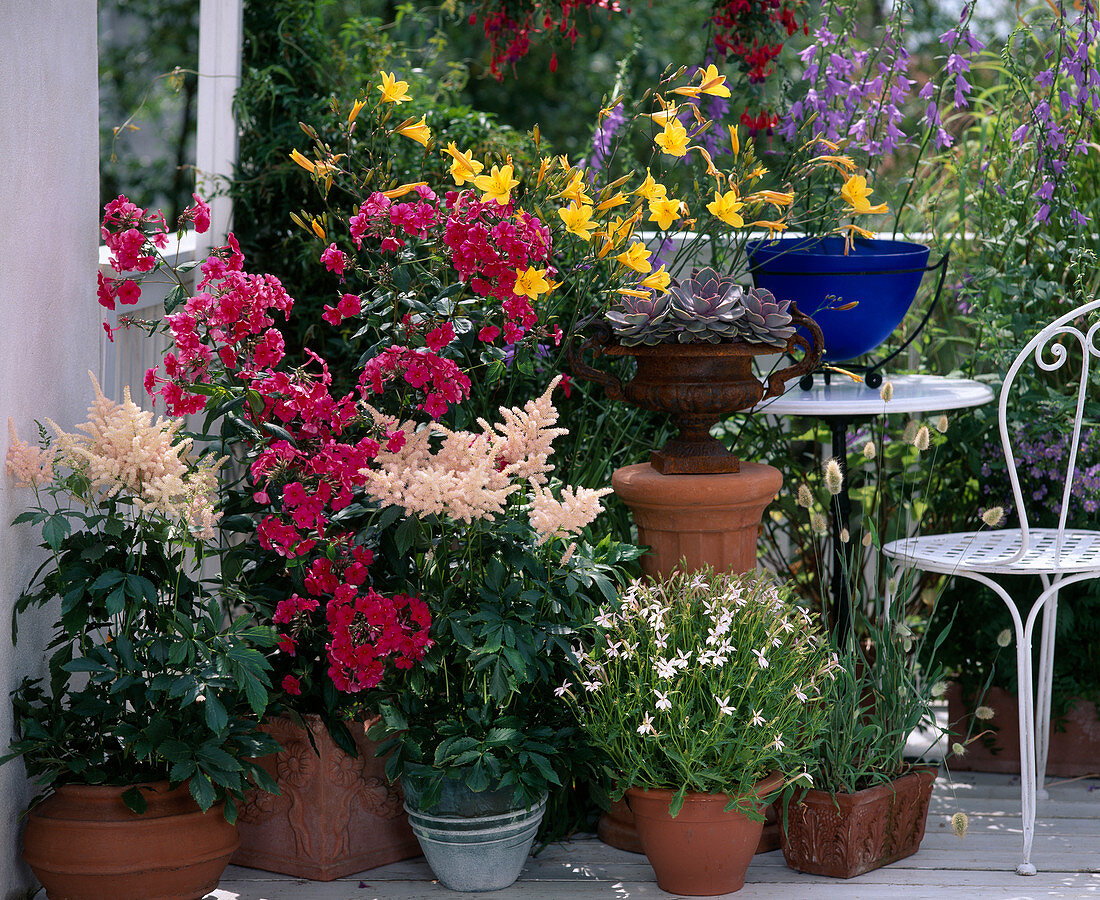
[705, 692]
[145, 731]
[474, 732]
[868, 804]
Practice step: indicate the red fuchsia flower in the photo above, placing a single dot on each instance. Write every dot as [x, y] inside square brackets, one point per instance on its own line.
[292, 685]
[334, 259]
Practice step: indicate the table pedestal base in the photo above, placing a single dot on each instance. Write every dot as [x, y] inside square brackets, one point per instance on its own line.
[701, 519]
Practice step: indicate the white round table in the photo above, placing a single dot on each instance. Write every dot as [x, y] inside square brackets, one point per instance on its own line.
[843, 401]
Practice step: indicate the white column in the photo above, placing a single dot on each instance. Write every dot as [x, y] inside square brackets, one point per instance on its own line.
[220, 23]
[50, 331]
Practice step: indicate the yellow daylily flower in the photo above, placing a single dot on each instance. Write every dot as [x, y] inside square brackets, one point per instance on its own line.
[578, 219]
[658, 281]
[416, 131]
[674, 139]
[727, 207]
[772, 227]
[862, 232]
[758, 172]
[610, 203]
[544, 166]
[664, 211]
[650, 189]
[667, 113]
[317, 229]
[305, 163]
[531, 283]
[775, 198]
[393, 91]
[842, 162]
[855, 193]
[497, 185]
[463, 165]
[735, 142]
[636, 257]
[402, 190]
[575, 189]
[356, 108]
[633, 292]
[710, 82]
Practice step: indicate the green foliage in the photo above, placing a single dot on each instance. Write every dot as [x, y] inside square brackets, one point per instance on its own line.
[146, 680]
[702, 682]
[480, 708]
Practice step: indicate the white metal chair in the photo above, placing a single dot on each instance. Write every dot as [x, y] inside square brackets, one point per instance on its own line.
[1059, 556]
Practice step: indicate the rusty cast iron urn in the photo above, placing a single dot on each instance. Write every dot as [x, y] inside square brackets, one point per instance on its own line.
[698, 385]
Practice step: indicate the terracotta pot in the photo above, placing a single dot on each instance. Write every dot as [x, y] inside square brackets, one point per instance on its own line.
[704, 850]
[1072, 752]
[337, 815]
[856, 833]
[84, 843]
[616, 829]
[697, 384]
[702, 519]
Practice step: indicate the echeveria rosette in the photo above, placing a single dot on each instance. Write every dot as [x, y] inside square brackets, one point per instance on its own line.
[642, 321]
[766, 320]
[706, 307]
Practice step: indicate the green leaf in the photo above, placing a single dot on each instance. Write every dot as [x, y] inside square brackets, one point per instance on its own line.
[203, 791]
[135, 800]
[55, 530]
[175, 297]
[216, 716]
[406, 535]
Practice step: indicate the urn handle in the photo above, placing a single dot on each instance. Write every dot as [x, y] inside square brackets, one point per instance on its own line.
[811, 356]
[574, 355]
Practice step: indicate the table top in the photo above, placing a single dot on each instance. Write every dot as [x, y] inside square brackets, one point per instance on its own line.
[844, 397]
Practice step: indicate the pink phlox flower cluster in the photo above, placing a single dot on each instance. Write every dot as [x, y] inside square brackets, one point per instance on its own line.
[489, 244]
[349, 305]
[29, 464]
[334, 259]
[372, 218]
[199, 213]
[366, 629]
[441, 380]
[222, 261]
[292, 606]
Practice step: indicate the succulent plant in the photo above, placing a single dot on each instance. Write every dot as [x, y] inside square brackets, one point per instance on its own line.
[642, 320]
[765, 319]
[706, 307]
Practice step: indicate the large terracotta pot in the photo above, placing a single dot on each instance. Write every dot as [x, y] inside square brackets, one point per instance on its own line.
[1072, 752]
[697, 384]
[337, 815]
[704, 850]
[83, 843]
[851, 834]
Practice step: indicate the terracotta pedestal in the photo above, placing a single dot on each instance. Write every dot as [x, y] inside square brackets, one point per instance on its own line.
[336, 816]
[702, 519]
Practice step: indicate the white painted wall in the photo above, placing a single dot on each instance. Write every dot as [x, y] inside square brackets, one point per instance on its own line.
[49, 319]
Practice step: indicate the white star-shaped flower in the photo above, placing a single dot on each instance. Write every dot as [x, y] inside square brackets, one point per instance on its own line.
[723, 706]
[757, 719]
[647, 725]
[662, 700]
[561, 691]
[761, 659]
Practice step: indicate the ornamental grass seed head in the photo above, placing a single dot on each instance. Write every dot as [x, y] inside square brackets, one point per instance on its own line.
[922, 439]
[887, 392]
[869, 450]
[834, 478]
[1004, 638]
[958, 749]
[805, 498]
[818, 525]
[941, 424]
[959, 822]
[984, 713]
[993, 516]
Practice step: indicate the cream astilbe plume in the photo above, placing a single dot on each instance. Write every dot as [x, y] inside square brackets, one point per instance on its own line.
[124, 450]
[28, 464]
[470, 475]
[577, 507]
[524, 436]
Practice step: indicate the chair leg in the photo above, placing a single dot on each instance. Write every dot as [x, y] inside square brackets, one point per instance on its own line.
[1044, 690]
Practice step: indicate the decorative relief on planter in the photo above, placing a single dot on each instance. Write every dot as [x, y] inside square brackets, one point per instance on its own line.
[337, 814]
[855, 833]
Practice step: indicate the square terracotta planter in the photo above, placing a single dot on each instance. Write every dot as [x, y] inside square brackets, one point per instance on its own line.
[858, 832]
[1073, 752]
[336, 816]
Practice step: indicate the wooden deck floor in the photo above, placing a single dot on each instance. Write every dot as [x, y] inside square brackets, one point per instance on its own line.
[1067, 854]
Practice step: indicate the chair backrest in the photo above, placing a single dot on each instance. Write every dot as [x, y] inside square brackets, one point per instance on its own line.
[1050, 357]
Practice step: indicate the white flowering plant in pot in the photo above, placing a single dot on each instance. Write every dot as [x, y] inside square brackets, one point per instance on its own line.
[703, 682]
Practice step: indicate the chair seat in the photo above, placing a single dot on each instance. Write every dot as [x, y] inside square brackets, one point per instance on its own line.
[991, 552]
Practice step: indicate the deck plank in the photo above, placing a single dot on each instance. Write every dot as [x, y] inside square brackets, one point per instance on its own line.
[1066, 851]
